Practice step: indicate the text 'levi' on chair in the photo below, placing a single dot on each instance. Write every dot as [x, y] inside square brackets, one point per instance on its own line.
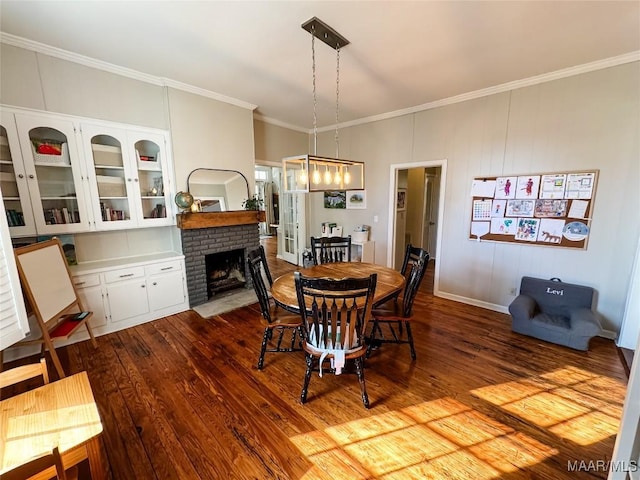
[51, 294]
[275, 320]
[331, 249]
[397, 313]
[334, 314]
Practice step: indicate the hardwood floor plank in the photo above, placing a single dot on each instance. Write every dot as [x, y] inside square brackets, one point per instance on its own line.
[181, 398]
[163, 448]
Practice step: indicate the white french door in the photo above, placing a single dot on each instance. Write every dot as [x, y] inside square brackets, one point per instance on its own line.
[289, 226]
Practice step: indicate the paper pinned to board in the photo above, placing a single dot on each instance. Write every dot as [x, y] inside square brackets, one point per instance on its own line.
[478, 229]
[483, 188]
[578, 209]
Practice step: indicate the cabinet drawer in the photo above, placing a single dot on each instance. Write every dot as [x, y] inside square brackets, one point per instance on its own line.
[164, 267]
[89, 280]
[124, 274]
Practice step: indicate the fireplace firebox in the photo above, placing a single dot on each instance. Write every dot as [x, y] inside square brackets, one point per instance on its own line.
[225, 271]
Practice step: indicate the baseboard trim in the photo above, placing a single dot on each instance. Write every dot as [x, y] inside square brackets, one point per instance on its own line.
[608, 334]
[472, 301]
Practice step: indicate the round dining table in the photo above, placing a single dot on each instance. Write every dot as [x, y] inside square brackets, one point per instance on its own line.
[390, 281]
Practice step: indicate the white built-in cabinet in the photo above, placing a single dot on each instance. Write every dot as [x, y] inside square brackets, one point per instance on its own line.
[13, 180]
[123, 296]
[62, 174]
[128, 177]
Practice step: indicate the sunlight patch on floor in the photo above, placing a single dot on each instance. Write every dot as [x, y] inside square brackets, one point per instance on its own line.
[440, 439]
[572, 403]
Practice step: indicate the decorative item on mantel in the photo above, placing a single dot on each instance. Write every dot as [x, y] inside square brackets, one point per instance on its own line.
[184, 200]
[311, 173]
[253, 203]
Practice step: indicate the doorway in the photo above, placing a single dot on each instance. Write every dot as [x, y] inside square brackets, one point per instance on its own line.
[416, 207]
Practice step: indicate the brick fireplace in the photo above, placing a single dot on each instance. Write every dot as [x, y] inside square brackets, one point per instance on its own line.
[212, 234]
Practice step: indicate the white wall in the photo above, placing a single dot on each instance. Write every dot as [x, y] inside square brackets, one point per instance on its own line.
[273, 143]
[589, 121]
[207, 133]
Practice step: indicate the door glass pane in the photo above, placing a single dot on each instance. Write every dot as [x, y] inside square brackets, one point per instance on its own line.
[110, 178]
[8, 183]
[289, 227]
[54, 175]
[150, 177]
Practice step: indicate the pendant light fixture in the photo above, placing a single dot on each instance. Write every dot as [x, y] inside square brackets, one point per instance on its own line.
[312, 173]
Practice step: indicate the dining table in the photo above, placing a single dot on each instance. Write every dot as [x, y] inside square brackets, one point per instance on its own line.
[390, 282]
[61, 413]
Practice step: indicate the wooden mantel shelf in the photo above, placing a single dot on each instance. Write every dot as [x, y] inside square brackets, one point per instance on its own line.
[189, 221]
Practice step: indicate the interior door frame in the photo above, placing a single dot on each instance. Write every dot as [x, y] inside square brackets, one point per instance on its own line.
[393, 185]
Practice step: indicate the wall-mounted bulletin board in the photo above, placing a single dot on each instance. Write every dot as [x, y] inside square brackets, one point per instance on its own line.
[550, 209]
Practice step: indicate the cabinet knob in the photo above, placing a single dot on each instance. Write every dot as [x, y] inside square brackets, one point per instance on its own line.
[135, 179]
[20, 175]
[155, 283]
[31, 176]
[128, 179]
[143, 286]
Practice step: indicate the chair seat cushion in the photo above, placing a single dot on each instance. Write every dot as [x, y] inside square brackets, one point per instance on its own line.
[554, 322]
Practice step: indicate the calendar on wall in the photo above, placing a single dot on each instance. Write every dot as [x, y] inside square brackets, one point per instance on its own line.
[550, 209]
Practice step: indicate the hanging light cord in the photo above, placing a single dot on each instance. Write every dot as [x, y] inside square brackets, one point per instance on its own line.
[337, 99]
[315, 100]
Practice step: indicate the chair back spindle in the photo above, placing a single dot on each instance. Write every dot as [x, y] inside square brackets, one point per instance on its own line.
[334, 312]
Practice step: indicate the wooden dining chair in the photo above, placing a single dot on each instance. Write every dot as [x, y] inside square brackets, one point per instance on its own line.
[411, 255]
[24, 372]
[396, 313]
[38, 465]
[331, 249]
[274, 318]
[334, 314]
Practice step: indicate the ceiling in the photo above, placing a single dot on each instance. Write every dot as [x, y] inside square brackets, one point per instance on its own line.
[402, 54]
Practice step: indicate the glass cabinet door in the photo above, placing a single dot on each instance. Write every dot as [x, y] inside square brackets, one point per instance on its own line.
[111, 177]
[154, 205]
[55, 174]
[13, 180]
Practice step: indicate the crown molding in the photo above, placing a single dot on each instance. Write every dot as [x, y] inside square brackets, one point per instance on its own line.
[38, 47]
[278, 123]
[134, 74]
[504, 87]
[185, 87]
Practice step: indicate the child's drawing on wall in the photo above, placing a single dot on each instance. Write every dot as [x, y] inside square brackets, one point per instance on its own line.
[528, 186]
[505, 187]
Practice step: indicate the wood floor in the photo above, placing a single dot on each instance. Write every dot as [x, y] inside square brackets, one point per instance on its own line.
[181, 398]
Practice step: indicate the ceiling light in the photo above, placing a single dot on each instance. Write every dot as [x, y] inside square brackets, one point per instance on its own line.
[295, 168]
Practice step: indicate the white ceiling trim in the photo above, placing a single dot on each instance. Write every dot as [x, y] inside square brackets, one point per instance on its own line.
[278, 123]
[20, 42]
[16, 41]
[505, 87]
